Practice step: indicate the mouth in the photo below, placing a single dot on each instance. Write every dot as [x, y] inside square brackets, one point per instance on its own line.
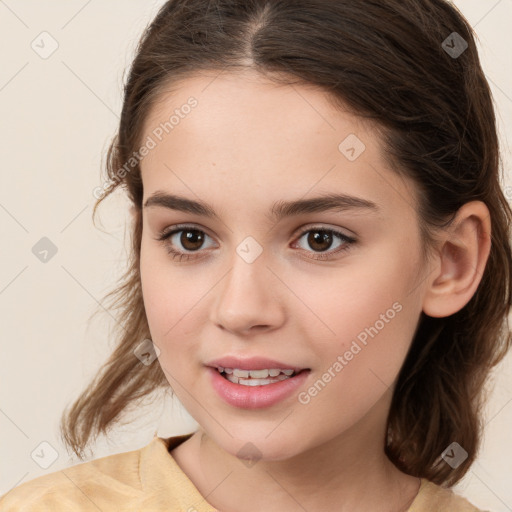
[261, 377]
[266, 385]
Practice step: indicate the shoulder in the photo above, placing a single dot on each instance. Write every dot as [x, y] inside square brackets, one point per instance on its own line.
[434, 497]
[84, 486]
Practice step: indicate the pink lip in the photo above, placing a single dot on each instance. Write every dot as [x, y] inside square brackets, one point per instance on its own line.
[255, 397]
[252, 363]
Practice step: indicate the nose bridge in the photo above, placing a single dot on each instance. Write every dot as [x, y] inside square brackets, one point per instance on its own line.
[247, 296]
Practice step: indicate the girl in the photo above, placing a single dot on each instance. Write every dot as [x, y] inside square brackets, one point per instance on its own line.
[321, 266]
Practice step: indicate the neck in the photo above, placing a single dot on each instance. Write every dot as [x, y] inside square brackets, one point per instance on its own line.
[349, 472]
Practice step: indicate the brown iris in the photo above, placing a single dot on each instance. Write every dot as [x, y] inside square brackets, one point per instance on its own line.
[319, 237]
[192, 236]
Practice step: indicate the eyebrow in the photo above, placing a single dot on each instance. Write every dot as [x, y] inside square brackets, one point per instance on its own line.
[279, 210]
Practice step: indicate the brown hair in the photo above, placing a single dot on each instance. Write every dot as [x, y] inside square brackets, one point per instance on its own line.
[387, 61]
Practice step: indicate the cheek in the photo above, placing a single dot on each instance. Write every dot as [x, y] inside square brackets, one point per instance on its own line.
[173, 304]
[346, 300]
[367, 317]
[360, 362]
[154, 289]
[164, 299]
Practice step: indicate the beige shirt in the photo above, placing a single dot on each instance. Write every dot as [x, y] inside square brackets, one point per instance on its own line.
[150, 480]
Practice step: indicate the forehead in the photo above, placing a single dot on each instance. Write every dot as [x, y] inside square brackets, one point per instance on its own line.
[248, 99]
[247, 136]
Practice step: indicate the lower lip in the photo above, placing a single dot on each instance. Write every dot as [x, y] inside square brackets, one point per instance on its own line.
[255, 397]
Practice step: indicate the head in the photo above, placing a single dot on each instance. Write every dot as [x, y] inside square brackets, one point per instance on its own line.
[268, 100]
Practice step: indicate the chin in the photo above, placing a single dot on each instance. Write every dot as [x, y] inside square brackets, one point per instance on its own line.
[258, 445]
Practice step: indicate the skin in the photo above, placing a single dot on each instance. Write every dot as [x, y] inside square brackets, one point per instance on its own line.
[248, 144]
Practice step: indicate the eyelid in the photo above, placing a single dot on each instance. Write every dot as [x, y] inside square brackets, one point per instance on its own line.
[322, 227]
[181, 227]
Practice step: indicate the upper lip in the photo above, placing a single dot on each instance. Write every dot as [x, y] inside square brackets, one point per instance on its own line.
[252, 363]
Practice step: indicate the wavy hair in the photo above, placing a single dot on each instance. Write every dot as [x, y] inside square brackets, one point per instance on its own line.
[393, 62]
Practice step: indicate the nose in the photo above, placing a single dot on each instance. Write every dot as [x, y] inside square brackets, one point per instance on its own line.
[248, 299]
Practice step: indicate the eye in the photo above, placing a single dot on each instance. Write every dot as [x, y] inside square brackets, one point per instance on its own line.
[320, 239]
[191, 239]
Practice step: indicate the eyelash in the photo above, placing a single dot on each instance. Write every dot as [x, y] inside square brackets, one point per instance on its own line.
[164, 235]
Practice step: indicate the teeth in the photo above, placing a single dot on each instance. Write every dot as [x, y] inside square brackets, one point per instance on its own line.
[255, 374]
[258, 374]
[232, 379]
[255, 382]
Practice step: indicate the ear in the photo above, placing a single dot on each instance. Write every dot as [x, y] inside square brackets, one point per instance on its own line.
[462, 255]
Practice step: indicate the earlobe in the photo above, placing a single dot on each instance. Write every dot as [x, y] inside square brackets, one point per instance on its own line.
[461, 260]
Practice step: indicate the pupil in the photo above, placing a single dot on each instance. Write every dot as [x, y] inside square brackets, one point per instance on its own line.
[192, 236]
[317, 237]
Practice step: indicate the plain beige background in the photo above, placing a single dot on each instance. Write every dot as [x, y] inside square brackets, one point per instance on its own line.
[58, 114]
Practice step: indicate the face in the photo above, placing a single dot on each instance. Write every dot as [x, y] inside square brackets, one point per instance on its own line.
[334, 291]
